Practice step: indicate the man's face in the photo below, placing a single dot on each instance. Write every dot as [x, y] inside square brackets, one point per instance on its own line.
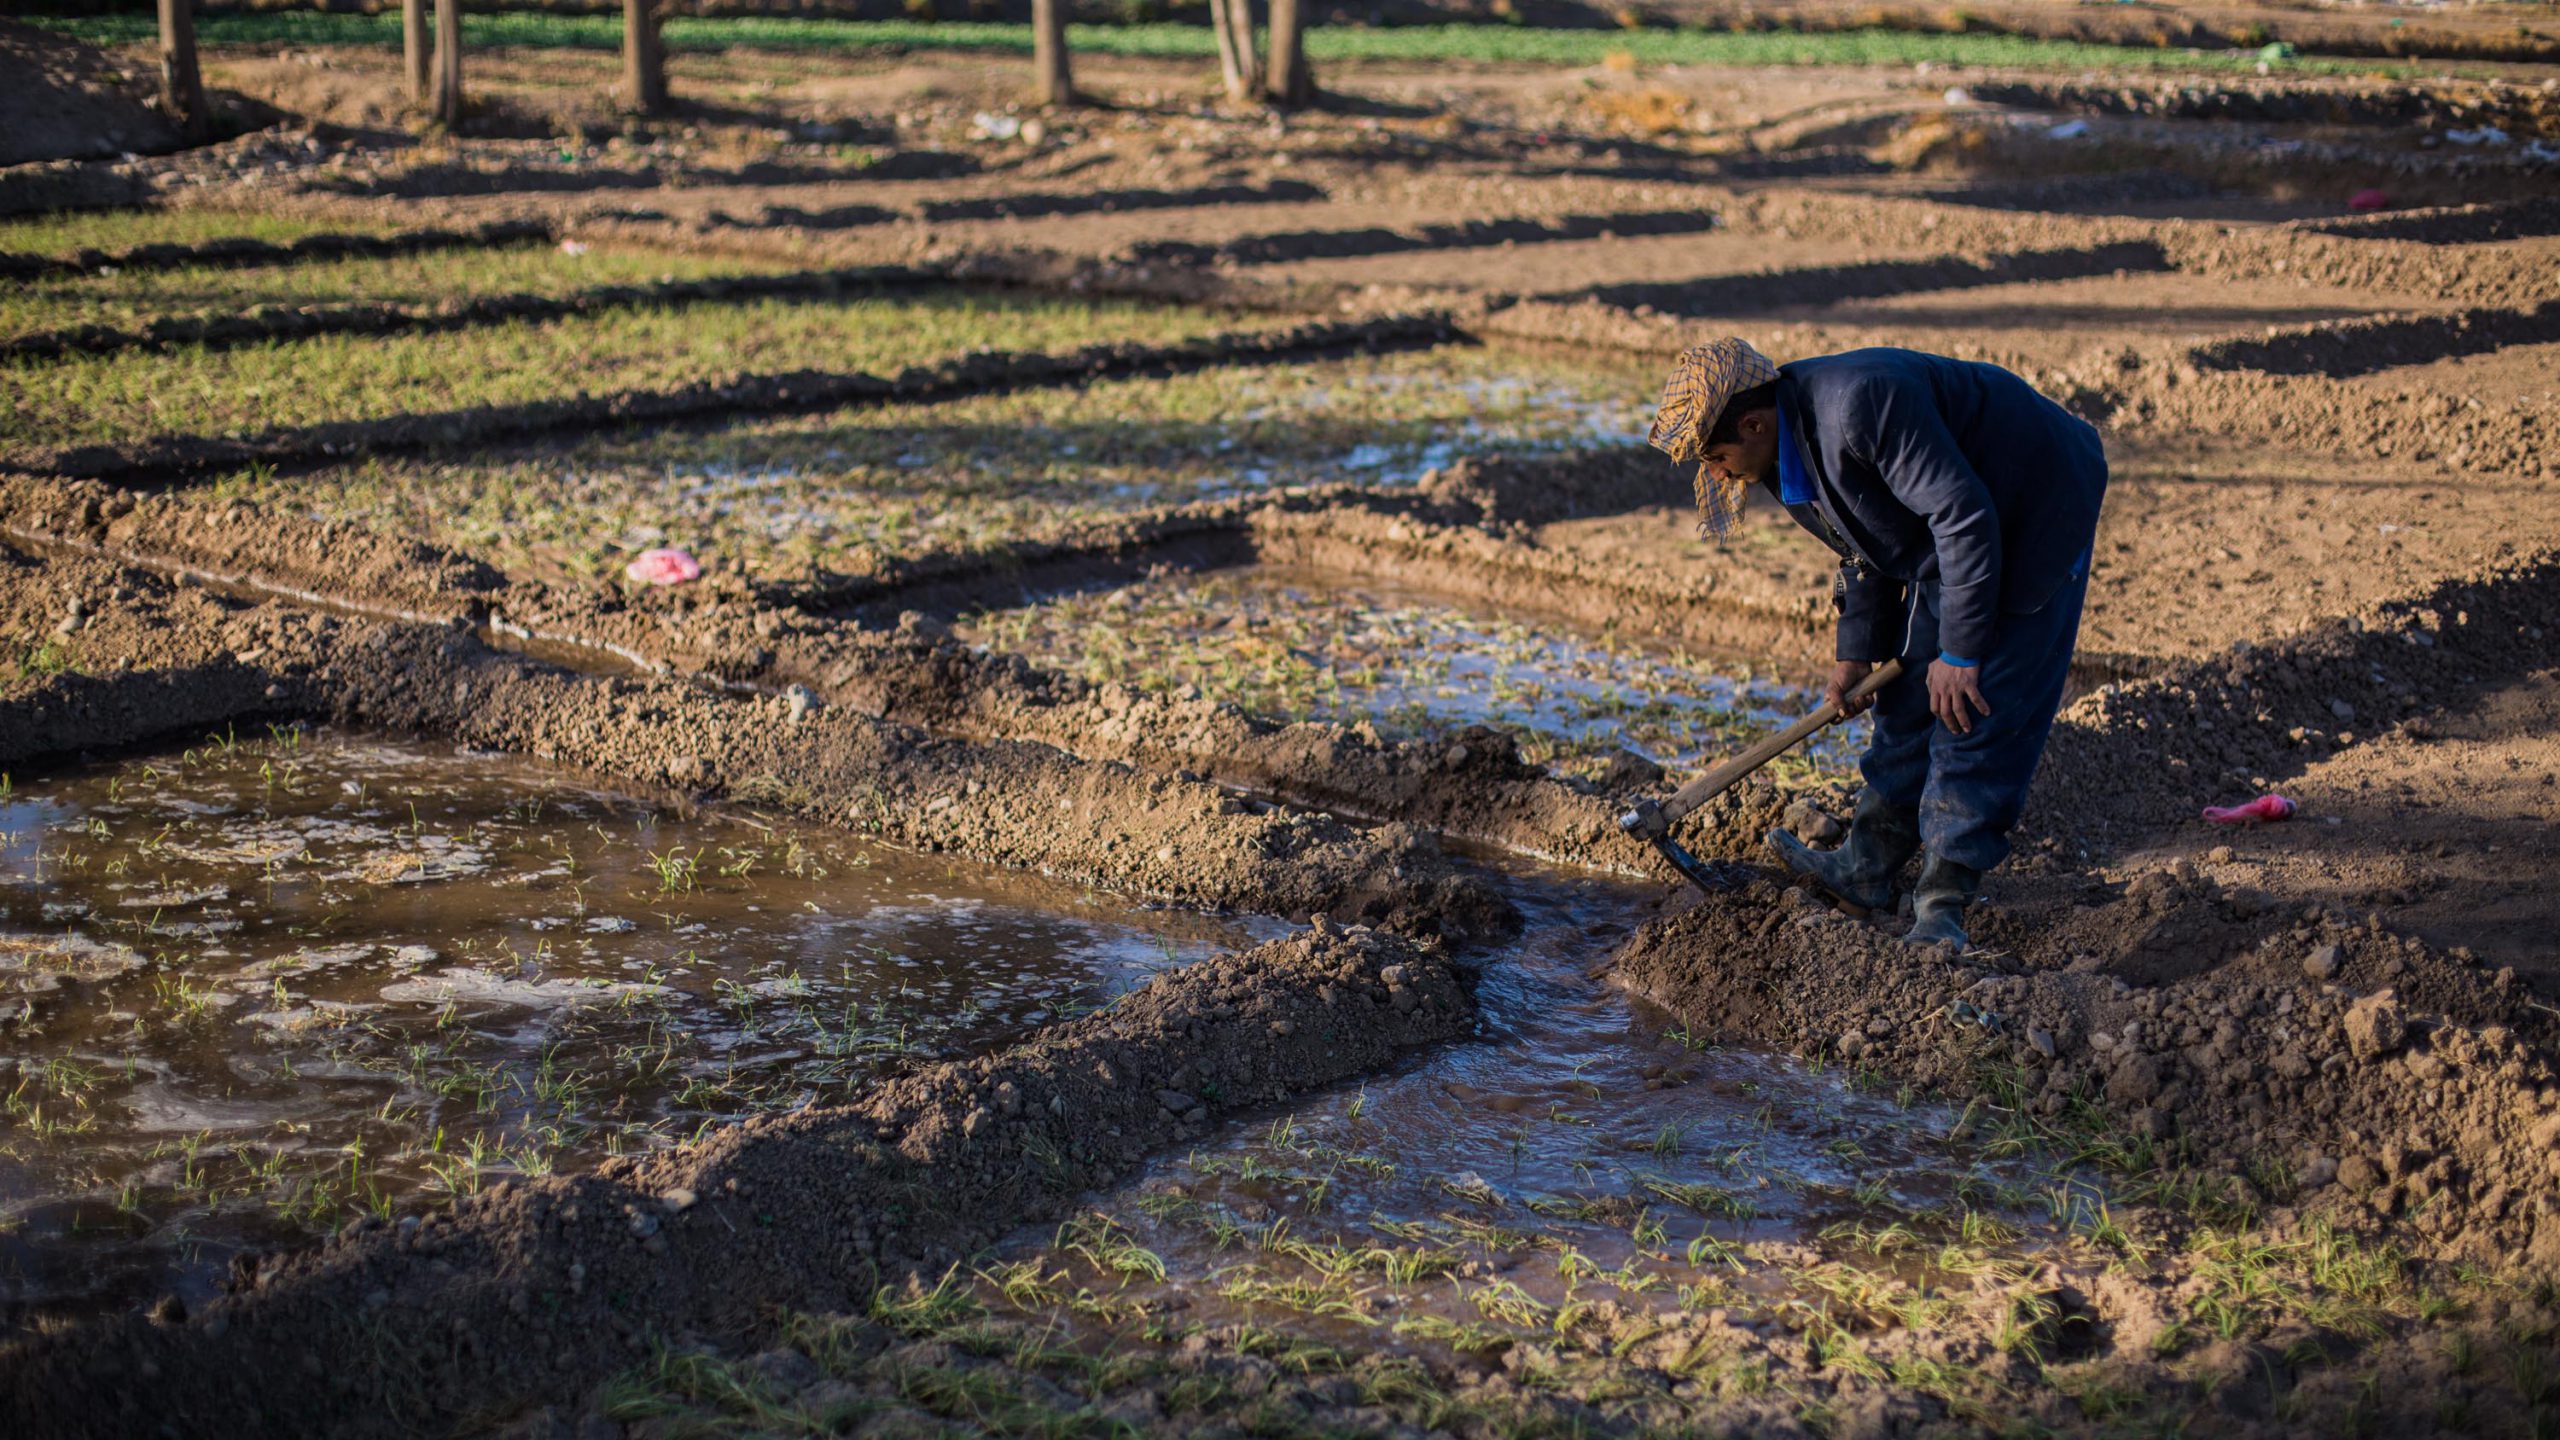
[1752, 454]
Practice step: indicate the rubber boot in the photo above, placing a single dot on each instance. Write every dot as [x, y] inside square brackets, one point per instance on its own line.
[1938, 901]
[1881, 841]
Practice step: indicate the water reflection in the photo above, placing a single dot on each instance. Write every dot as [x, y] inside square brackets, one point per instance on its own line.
[255, 990]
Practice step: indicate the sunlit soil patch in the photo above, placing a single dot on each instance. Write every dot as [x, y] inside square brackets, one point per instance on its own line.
[125, 298]
[193, 391]
[2524, 379]
[842, 493]
[2057, 321]
[258, 990]
[1300, 646]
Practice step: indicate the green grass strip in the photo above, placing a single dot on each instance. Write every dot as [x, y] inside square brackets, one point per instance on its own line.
[135, 297]
[1487, 43]
[197, 391]
[113, 230]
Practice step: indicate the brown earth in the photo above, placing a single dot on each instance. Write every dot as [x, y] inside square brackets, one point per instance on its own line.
[2249, 1060]
[2512, 31]
[2441, 826]
[62, 100]
[2324, 569]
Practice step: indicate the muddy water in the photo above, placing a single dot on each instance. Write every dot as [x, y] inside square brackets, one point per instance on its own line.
[254, 990]
[1581, 1156]
[1296, 645]
[781, 497]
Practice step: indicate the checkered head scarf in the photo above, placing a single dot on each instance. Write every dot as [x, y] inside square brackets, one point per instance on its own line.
[1693, 399]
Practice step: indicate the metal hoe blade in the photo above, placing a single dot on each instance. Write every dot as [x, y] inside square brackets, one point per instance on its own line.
[1646, 822]
[1652, 819]
[1710, 882]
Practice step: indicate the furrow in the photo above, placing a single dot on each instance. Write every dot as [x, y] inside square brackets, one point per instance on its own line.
[185, 457]
[1823, 284]
[1466, 235]
[244, 252]
[267, 323]
[2340, 349]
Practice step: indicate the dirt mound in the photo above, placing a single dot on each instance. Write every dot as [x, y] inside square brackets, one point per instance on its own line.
[342, 567]
[916, 674]
[62, 100]
[1026, 805]
[2274, 1067]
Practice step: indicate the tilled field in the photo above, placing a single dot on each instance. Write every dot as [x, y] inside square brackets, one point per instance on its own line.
[1242, 529]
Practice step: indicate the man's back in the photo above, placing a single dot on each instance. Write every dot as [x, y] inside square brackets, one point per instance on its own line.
[1901, 439]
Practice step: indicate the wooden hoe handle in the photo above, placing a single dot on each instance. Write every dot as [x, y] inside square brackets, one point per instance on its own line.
[1722, 778]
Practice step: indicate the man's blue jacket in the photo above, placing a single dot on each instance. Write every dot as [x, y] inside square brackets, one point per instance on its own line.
[1931, 471]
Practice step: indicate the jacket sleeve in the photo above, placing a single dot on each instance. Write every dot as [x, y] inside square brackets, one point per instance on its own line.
[1916, 455]
[1870, 604]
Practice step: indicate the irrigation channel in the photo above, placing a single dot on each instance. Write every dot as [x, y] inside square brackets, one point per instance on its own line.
[269, 986]
[1580, 1166]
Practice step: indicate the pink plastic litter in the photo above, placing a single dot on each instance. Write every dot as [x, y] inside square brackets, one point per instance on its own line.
[2263, 810]
[2365, 202]
[663, 567]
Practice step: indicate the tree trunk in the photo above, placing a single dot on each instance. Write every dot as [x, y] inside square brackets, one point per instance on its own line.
[181, 83]
[413, 47]
[1049, 52]
[644, 58]
[1291, 84]
[1233, 20]
[449, 62]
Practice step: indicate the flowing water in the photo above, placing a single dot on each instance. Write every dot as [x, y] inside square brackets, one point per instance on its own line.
[1580, 1160]
[255, 990]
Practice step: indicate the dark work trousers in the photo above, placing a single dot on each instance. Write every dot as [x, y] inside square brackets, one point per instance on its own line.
[1970, 788]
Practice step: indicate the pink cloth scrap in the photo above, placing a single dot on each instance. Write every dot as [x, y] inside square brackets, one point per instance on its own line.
[2264, 809]
[663, 567]
[2365, 202]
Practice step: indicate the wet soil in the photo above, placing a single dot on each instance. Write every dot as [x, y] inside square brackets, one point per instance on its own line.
[1588, 1220]
[263, 989]
[1291, 646]
[819, 506]
[713, 1233]
[1571, 1121]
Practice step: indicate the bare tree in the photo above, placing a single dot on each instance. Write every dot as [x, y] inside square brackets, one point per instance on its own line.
[181, 82]
[1049, 52]
[1237, 55]
[1292, 85]
[449, 62]
[644, 58]
[413, 47]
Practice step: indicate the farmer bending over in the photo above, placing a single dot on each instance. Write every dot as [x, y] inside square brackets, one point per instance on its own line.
[1963, 506]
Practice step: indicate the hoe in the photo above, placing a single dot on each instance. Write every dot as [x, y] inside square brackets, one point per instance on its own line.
[1652, 820]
